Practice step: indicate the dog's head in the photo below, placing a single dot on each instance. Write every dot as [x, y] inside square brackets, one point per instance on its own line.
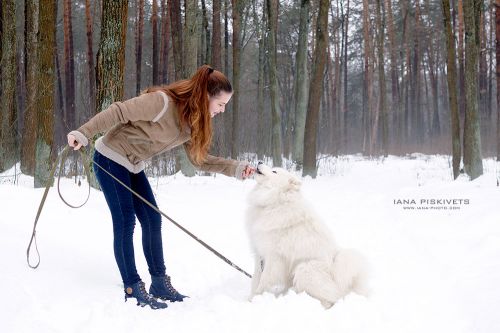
[273, 185]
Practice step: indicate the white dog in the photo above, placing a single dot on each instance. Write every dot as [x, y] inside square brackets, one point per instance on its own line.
[293, 249]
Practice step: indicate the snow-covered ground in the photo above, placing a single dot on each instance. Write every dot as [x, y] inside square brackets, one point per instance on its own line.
[435, 266]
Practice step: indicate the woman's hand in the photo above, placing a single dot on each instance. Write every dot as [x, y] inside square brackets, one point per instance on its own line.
[248, 171]
[72, 142]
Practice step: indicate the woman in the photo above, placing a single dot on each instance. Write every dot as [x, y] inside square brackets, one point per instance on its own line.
[135, 130]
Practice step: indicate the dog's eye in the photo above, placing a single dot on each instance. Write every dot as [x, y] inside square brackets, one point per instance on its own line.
[274, 172]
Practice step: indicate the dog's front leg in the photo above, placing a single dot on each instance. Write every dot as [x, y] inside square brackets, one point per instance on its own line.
[258, 267]
[273, 277]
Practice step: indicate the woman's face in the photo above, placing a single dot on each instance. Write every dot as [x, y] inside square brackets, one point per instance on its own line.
[217, 103]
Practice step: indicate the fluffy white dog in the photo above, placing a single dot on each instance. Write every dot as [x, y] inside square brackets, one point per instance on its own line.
[293, 249]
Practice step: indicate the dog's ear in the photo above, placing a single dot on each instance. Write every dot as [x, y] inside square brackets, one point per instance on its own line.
[295, 182]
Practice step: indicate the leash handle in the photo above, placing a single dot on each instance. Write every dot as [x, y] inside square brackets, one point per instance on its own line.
[61, 159]
[42, 202]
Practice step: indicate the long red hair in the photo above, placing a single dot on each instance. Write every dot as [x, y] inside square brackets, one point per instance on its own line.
[191, 98]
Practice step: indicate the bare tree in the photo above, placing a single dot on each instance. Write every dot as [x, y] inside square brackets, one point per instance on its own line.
[497, 36]
[452, 91]
[301, 84]
[90, 58]
[174, 8]
[154, 24]
[45, 98]
[30, 54]
[111, 53]
[69, 67]
[396, 99]
[139, 32]
[237, 9]
[216, 36]
[368, 79]
[276, 144]
[381, 78]
[190, 65]
[164, 42]
[8, 108]
[261, 143]
[315, 90]
[473, 164]
[346, 112]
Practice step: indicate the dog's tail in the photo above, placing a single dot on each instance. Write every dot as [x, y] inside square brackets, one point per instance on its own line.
[350, 272]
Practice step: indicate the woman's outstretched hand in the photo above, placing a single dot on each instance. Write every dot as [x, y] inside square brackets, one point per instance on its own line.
[72, 142]
[248, 171]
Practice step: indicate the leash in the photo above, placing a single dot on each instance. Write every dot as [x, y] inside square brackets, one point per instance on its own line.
[63, 157]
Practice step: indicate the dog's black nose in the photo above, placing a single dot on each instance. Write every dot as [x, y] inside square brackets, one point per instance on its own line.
[260, 162]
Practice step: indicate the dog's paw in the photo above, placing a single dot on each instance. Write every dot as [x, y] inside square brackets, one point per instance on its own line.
[276, 289]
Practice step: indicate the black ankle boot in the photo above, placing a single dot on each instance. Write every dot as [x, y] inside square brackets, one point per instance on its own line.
[162, 288]
[138, 291]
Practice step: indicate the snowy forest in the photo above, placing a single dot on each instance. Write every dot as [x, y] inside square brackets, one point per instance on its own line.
[311, 78]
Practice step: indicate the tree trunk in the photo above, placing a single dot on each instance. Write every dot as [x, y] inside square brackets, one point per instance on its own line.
[90, 59]
[139, 32]
[45, 119]
[8, 108]
[452, 90]
[301, 83]
[396, 100]
[237, 5]
[347, 114]
[165, 42]
[191, 39]
[219, 141]
[433, 73]
[315, 90]
[472, 139]
[69, 67]
[29, 128]
[174, 8]
[367, 82]
[190, 65]
[205, 50]
[418, 113]
[228, 115]
[497, 47]
[216, 36]
[461, 70]
[154, 24]
[111, 53]
[261, 139]
[272, 13]
[381, 77]
[483, 70]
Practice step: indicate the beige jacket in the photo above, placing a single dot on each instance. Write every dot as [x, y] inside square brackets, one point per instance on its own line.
[144, 126]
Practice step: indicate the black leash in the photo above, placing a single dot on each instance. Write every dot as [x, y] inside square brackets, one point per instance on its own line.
[62, 158]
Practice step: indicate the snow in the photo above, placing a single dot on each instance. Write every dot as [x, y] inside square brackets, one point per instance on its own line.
[433, 268]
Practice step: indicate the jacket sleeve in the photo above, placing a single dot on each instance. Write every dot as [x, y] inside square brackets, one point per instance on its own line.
[228, 167]
[147, 107]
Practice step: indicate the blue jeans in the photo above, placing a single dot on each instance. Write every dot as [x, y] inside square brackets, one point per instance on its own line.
[124, 207]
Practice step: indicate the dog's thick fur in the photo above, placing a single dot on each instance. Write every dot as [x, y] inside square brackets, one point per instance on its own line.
[293, 249]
